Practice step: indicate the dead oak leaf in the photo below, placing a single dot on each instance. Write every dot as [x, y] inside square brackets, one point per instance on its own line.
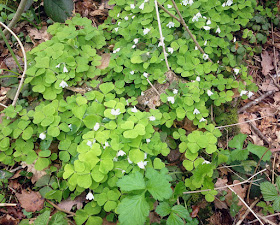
[266, 63]
[68, 203]
[31, 201]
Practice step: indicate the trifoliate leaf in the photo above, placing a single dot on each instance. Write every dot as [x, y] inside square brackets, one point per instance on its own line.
[133, 210]
[131, 182]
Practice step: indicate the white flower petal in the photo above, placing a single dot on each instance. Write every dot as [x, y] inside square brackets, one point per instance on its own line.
[142, 6]
[202, 120]
[171, 50]
[207, 28]
[145, 74]
[250, 94]
[146, 31]
[169, 6]
[209, 93]
[132, 6]
[136, 40]
[236, 70]
[170, 24]
[115, 112]
[96, 126]
[134, 110]
[63, 84]
[126, 18]
[196, 111]
[89, 196]
[152, 118]
[121, 153]
[42, 136]
[243, 92]
[142, 164]
[171, 99]
[205, 56]
[197, 79]
[148, 140]
[218, 30]
[175, 91]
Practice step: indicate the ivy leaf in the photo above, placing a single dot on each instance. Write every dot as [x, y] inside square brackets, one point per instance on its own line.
[131, 182]
[58, 10]
[158, 184]
[238, 141]
[133, 210]
[269, 191]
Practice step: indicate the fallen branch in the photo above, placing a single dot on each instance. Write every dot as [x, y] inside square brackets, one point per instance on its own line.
[258, 132]
[60, 209]
[256, 101]
[7, 204]
[247, 212]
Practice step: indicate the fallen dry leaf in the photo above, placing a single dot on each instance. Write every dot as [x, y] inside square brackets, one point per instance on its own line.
[239, 190]
[221, 182]
[36, 174]
[31, 201]
[268, 85]
[68, 203]
[267, 63]
[41, 35]
[104, 61]
[256, 140]
[8, 220]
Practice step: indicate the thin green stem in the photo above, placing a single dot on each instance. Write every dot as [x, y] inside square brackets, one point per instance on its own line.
[10, 49]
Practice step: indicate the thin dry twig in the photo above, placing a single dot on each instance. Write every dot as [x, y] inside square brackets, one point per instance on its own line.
[256, 101]
[24, 60]
[258, 132]
[247, 212]
[161, 36]
[274, 52]
[248, 207]
[153, 87]
[3, 105]
[60, 209]
[226, 186]
[275, 214]
[7, 204]
[235, 124]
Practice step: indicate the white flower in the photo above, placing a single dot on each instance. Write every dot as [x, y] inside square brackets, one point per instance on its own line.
[206, 27]
[175, 91]
[129, 161]
[209, 93]
[115, 112]
[106, 145]
[236, 70]
[121, 153]
[148, 140]
[115, 159]
[119, 23]
[146, 1]
[96, 126]
[116, 29]
[169, 6]
[224, 4]
[42, 136]
[145, 155]
[146, 30]
[126, 18]
[142, 93]
[65, 69]
[218, 30]
[58, 65]
[171, 50]
[118, 15]
[208, 22]
[117, 50]
[195, 48]
[197, 79]
[205, 42]
[123, 171]
[70, 126]
[89, 143]
[243, 92]
[250, 94]
[131, 72]
[136, 40]
[229, 3]
[146, 102]
[152, 118]
[142, 6]
[142, 164]
[196, 111]
[171, 99]
[170, 24]
[132, 6]
[133, 46]
[205, 56]
[206, 162]
[202, 120]
[234, 39]
[187, 2]
[134, 110]
[196, 17]
[63, 84]
[145, 74]
[89, 196]
[132, 17]
[190, 2]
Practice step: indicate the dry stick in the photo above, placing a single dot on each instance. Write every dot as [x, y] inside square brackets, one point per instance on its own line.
[7, 204]
[275, 214]
[161, 36]
[275, 82]
[248, 207]
[258, 132]
[3, 105]
[247, 212]
[25, 63]
[153, 87]
[227, 186]
[60, 209]
[235, 124]
[182, 21]
[256, 101]
[17, 16]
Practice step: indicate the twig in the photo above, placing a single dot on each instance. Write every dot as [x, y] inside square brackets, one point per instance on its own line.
[275, 214]
[15, 169]
[256, 101]
[273, 168]
[235, 124]
[274, 52]
[266, 220]
[3, 105]
[17, 16]
[247, 212]
[60, 209]
[226, 186]
[182, 21]
[248, 207]
[161, 36]
[7, 204]
[24, 60]
[258, 132]
[275, 82]
[153, 87]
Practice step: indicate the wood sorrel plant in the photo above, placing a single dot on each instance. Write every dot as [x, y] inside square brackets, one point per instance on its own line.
[104, 144]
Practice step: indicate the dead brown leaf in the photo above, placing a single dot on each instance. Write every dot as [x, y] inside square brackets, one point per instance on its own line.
[268, 85]
[31, 201]
[8, 220]
[267, 62]
[239, 190]
[68, 203]
[36, 174]
[105, 60]
[221, 182]
[257, 140]
[38, 36]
